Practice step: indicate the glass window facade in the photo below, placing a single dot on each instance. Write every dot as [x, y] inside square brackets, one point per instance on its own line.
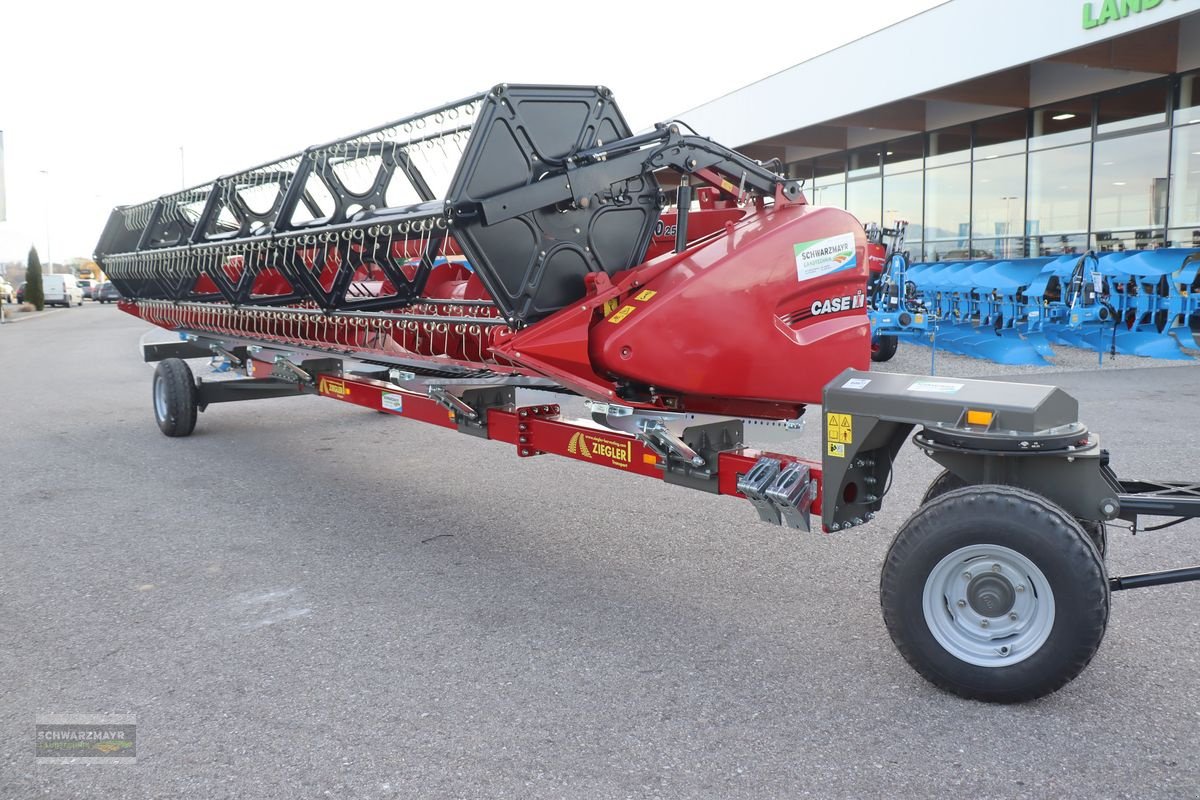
[864, 198]
[948, 204]
[1059, 186]
[1119, 170]
[1129, 188]
[1064, 123]
[949, 146]
[1135, 107]
[1185, 177]
[903, 199]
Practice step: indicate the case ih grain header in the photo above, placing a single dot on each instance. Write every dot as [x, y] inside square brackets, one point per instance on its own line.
[480, 265]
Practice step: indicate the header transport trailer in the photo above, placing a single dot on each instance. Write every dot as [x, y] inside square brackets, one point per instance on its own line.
[479, 265]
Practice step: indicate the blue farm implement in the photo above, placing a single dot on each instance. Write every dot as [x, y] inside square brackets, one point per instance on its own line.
[1144, 303]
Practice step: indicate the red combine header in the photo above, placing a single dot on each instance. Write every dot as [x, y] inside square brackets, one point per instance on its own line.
[484, 264]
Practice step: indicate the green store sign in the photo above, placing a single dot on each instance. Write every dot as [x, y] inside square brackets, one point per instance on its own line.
[1101, 12]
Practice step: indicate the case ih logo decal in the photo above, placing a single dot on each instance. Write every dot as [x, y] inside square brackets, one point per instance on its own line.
[830, 305]
[835, 304]
[618, 452]
[334, 388]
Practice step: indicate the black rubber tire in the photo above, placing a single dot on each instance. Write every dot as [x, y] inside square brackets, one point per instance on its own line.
[177, 414]
[1037, 529]
[883, 348]
[947, 481]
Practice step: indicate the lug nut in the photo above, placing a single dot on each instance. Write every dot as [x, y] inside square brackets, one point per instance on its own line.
[996, 567]
[966, 576]
[962, 603]
[1020, 587]
[983, 623]
[1013, 616]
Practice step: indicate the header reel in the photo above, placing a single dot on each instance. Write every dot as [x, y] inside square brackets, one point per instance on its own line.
[533, 187]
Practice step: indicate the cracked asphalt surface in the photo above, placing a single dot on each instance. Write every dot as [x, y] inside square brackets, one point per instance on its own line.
[306, 599]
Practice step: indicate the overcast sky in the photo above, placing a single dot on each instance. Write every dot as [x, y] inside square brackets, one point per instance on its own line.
[96, 99]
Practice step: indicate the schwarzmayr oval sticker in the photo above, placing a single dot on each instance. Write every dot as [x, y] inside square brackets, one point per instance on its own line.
[823, 256]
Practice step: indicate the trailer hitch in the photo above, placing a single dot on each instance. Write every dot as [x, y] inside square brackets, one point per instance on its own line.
[780, 494]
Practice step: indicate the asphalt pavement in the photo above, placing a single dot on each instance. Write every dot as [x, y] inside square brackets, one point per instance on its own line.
[307, 599]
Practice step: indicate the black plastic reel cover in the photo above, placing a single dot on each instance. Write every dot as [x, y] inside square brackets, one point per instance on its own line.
[534, 264]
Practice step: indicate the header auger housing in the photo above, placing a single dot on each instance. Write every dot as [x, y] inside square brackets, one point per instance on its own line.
[496, 263]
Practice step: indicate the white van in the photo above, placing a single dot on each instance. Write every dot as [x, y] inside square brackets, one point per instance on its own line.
[62, 290]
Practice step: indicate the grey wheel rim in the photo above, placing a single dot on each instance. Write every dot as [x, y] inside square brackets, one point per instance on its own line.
[160, 397]
[988, 605]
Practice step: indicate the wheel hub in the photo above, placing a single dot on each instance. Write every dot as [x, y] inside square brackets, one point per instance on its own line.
[988, 605]
[991, 595]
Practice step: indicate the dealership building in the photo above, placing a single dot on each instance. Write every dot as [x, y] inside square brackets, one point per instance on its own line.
[996, 129]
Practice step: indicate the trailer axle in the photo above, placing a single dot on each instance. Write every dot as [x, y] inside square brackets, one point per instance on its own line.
[1163, 578]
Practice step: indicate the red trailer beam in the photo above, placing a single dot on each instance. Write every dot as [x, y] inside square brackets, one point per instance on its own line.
[538, 430]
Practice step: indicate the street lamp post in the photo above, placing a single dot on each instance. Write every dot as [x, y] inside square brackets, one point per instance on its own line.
[1008, 220]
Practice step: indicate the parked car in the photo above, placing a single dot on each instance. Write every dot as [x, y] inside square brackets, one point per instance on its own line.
[86, 286]
[106, 293]
[62, 290]
[7, 293]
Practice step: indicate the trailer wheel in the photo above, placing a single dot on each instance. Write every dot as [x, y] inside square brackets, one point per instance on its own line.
[174, 398]
[947, 481]
[883, 348]
[994, 593]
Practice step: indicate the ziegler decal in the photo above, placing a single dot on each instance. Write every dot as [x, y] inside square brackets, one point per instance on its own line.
[334, 388]
[619, 453]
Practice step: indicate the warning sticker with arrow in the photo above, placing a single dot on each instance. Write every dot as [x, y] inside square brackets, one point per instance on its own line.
[839, 428]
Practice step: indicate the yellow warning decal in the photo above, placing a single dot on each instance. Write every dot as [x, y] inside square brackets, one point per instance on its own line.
[837, 450]
[644, 295]
[727, 186]
[610, 306]
[622, 314]
[333, 388]
[839, 428]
